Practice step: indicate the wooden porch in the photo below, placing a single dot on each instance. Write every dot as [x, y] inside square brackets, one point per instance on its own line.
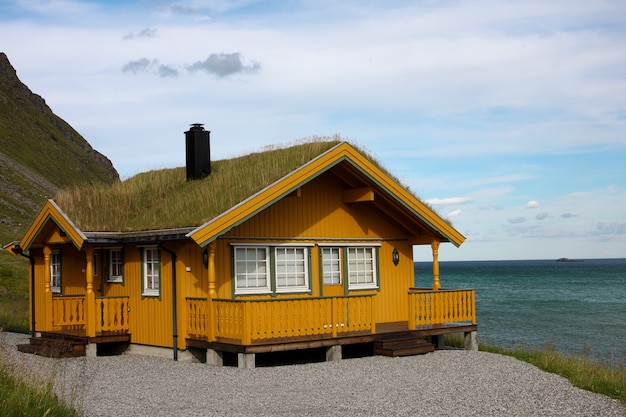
[69, 329]
[249, 327]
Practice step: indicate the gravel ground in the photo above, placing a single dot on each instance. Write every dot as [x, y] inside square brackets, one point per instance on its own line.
[443, 383]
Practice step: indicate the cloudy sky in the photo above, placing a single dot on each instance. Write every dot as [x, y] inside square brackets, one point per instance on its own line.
[509, 117]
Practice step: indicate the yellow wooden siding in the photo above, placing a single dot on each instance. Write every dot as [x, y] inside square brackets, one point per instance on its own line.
[318, 214]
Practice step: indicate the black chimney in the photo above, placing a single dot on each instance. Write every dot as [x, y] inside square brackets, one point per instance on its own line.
[198, 152]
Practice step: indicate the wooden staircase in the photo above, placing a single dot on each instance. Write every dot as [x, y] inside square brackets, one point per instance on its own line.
[402, 344]
[56, 345]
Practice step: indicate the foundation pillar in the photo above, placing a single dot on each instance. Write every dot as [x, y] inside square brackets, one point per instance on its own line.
[246, 360]
[471, 341]
[333, 353]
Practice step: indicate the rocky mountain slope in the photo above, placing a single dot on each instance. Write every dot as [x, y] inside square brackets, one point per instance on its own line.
[39, 154]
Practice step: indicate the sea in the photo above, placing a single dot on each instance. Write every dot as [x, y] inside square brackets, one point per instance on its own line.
[577, 307]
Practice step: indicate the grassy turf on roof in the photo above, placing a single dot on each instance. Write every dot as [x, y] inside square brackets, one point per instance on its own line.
[163, 199]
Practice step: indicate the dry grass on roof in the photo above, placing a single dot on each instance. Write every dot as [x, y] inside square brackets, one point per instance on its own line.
[164, 199]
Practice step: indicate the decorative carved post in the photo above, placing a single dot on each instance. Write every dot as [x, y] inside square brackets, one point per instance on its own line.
[90, 299]
[47, 291]
[211, 316]
[435, 246]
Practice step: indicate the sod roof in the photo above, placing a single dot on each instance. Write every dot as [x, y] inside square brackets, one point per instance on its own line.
[164, 199]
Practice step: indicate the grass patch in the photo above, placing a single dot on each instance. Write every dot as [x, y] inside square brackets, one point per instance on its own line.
[13, 293]
[18, 399]
[165, 199]
[581, 371]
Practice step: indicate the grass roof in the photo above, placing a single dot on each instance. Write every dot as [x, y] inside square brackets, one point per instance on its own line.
[164, 199]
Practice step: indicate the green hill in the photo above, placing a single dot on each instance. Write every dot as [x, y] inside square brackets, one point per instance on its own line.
[39, 155]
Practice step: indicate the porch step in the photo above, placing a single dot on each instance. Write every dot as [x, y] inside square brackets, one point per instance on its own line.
[404, 344]
[56, 346]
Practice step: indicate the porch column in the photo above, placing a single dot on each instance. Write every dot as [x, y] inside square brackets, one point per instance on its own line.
[212, 293]
[90, 299]
[47, 291]
[435, 247]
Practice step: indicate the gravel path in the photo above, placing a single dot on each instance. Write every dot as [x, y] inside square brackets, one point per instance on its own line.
[443, 383]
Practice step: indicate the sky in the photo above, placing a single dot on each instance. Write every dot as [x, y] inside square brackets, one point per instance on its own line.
[508, 117]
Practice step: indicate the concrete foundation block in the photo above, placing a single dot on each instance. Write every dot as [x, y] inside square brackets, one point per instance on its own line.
[471, 341]
[333, 353]
[246, 360]
[91, 350]
[214, 358]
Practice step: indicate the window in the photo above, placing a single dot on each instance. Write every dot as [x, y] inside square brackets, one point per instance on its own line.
[291, 269]
[151, 272]
[55, 272]
[116, 265]
[266, 269]
[361, 268]
[94, 265]
[331, 265]
[251, 270]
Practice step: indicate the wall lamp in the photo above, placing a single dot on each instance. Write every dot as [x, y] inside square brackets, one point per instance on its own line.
[395, 256]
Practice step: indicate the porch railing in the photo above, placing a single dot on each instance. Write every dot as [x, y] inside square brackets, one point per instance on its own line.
[442, 306]
[68, 313]
[247, 320]
[112, 314]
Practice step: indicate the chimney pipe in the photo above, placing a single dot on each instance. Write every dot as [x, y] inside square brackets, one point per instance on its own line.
[198, 152]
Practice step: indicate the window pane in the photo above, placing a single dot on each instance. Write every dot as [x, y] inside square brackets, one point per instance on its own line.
[290, 268]
[331, 266]
[361, 266]
[250, 268]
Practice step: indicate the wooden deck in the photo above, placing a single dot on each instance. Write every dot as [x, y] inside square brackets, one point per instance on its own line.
[384, 332]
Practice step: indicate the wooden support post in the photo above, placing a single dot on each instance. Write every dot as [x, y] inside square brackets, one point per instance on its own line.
[210, 313]
[90, 298]
[435, 247]
[47, 291]
[412, 323]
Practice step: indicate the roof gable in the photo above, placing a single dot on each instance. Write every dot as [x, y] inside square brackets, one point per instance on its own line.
[52, 213]
[343, 154]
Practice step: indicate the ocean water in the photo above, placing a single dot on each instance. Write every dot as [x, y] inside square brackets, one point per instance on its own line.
[575, 307]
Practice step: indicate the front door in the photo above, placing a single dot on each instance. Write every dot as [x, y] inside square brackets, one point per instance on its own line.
[333, 285]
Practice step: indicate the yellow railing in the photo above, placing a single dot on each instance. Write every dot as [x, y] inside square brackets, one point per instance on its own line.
[248, 320]
[112, 314]
[197, 315]
[68, 312]
[442, 306]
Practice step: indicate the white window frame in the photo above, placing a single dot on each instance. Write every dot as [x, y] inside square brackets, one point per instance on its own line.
[151, 271]
[260, 272]
[291, 269]
[113, 263]
[332, 271]
[272, 269]
[55, 271]
[360, 269]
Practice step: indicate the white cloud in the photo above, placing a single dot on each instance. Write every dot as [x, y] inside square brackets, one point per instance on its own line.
[454, 213]
[532, 204]
[448, 201]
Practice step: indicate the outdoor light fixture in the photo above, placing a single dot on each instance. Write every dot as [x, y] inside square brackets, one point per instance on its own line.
[205, 259]
[395, 256]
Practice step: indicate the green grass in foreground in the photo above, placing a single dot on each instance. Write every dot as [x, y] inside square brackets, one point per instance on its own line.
[20, 399]
[582, 372]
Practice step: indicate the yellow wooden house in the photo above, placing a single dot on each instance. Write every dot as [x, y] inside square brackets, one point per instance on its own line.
[303, 247]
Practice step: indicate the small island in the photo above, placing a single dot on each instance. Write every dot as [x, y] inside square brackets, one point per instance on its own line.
[569, 260]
